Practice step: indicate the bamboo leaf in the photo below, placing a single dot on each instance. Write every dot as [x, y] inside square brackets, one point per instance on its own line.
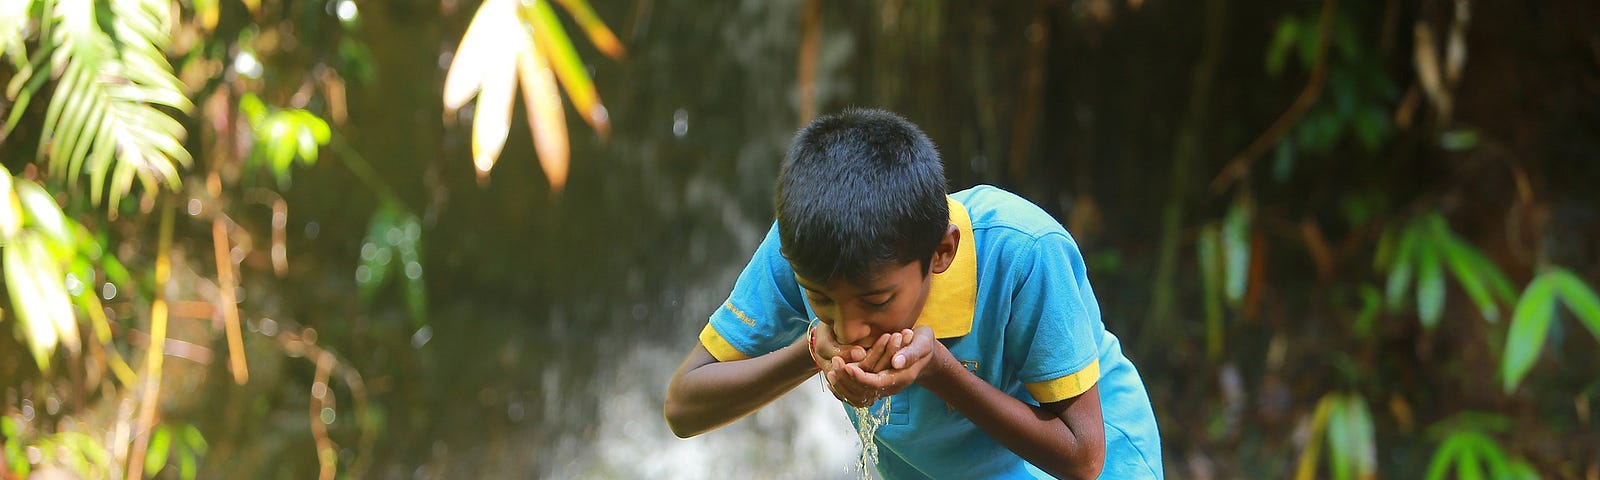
[1430, 284]
[599, 34]
[377, 252]
[1579, 298]
[1307, 467]
[547, 122]
[1528, 327]
[10, 207]
[1364, 444]
[491, 120]
[1456, 257]
[41, 213]
[552, 41]
[156, 454]
[1236, 251]
[1400, 273]
[482, 47]
[1340, 438]
[26, 297]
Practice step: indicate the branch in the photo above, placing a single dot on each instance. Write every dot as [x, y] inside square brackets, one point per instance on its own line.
[1240, 165]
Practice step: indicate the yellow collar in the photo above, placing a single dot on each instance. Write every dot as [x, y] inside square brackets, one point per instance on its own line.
[953, 297]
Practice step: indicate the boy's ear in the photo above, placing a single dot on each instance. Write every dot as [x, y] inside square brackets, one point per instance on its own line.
[945, 253]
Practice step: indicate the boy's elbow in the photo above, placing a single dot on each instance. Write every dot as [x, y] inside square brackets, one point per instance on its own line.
[678, 419]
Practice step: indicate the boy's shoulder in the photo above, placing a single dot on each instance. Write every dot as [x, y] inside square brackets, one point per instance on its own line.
[994, 210]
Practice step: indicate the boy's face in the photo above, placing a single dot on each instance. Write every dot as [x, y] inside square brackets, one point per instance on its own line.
[889, 301]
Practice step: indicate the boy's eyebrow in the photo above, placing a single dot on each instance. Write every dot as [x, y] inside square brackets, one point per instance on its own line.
[877, 291]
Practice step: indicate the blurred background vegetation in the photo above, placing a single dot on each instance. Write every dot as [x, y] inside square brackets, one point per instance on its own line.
[288, 238]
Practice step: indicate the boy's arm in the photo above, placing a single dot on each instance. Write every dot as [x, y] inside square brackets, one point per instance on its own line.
[706, 394]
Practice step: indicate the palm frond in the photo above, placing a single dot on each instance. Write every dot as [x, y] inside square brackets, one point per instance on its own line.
[108, 116]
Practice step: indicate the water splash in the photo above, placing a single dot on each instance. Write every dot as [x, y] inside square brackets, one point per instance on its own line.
[867, 425]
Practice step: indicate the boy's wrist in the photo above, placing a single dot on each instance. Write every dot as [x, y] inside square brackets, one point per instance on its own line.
[803, 359]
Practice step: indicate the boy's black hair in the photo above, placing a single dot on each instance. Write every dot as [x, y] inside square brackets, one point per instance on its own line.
[859, 190]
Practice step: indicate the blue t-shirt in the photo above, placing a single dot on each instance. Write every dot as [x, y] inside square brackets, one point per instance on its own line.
[1015, 307]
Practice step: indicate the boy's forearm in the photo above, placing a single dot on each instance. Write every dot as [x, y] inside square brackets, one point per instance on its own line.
[1034, 433]
[707, 394]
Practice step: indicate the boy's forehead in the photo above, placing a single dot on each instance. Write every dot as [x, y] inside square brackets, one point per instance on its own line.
[879, 278]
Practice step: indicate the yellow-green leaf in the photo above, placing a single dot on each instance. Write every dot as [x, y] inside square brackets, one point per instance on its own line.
[598, 33]
[10, 208]
[553, 42]
[1579, 298]
[1528, 327]
[545, 119]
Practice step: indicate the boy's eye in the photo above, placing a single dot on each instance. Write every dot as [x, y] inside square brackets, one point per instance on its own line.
[881, 304]
[821, 300]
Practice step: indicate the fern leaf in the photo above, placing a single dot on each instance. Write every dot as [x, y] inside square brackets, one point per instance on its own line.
[109, 115]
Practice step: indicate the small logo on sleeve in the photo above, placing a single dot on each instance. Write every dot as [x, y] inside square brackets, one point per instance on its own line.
[740, 313]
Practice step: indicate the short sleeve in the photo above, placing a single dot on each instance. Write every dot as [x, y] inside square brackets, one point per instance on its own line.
[1055, 330]
[764, 312]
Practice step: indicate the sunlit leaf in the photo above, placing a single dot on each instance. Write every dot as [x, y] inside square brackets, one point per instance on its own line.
[552, 41]
[194, 440]
[34, 279]
[10, 207]
[491, 120]
[548, 123]
[110, 97]
[488, 42]
[599, 34]
[254, 111]
[156, 453]
[1528, 327]
[42, 214]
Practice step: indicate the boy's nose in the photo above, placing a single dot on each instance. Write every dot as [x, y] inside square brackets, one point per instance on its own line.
[850, 332]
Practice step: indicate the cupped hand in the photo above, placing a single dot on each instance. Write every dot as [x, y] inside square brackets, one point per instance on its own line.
[905, 358]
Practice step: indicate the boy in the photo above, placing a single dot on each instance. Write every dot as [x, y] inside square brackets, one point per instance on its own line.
[971, 310]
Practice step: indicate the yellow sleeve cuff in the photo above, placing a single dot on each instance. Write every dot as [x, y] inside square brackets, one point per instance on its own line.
[1063, 388]
[719, 347]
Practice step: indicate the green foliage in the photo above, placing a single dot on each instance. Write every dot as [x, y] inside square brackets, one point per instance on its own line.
[1473, 454]
[282, 136]
[75, 452]
[38, 243]
[1224, 254]
[181, 443]
[1345, 423]
[394, 232]
[16, 459]
[1426, 248]
[109, 111]
[1534, 313]
[1353, 104]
